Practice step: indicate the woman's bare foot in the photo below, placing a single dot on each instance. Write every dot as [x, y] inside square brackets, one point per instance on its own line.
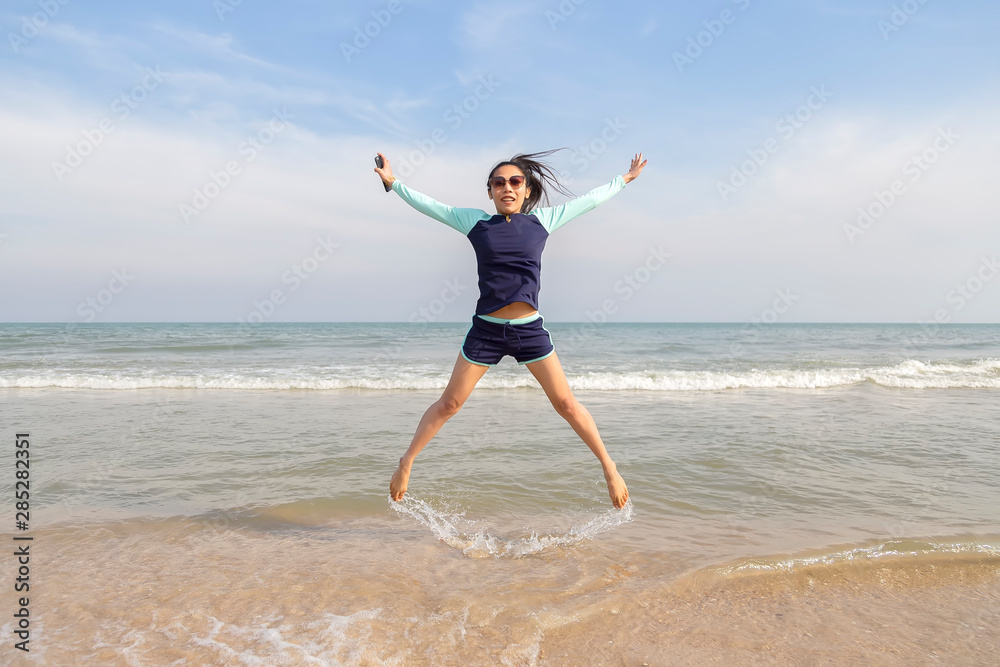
[616, 487]
[400, 478]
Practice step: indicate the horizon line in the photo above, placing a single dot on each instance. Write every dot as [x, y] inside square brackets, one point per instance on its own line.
[718, 322]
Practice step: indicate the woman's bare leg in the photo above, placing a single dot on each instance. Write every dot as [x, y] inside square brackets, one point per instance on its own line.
[550, 375]
[463, 380]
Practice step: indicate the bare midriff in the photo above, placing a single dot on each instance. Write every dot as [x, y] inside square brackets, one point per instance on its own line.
[513, 311]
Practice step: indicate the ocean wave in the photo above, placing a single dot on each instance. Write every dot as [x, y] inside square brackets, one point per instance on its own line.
[904, 561]
[909, 374]
[889, 549]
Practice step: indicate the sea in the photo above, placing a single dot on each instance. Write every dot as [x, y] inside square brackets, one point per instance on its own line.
[217, 494]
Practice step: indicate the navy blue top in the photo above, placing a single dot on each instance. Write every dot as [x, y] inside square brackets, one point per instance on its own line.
[508, 248]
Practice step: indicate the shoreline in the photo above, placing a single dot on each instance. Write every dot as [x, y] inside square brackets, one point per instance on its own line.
[168, 590]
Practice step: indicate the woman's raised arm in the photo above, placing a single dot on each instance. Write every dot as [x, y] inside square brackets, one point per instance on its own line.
[554, 217]
[462, 219]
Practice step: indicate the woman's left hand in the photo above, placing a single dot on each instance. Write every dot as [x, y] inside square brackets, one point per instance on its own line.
[637, 164]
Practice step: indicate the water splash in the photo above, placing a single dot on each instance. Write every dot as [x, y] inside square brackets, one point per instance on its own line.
[455, 530]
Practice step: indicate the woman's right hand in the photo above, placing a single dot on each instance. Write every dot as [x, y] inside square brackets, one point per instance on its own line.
[385, 172]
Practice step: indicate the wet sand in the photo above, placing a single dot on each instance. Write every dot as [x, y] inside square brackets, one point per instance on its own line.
[900, 613]
[379, 592]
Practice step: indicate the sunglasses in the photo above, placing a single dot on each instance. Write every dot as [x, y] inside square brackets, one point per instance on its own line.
[515, 181]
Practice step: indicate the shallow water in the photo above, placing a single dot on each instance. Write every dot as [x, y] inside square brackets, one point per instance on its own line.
[768, 525]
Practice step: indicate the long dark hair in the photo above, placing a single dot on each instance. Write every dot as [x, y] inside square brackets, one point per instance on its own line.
[537, 175]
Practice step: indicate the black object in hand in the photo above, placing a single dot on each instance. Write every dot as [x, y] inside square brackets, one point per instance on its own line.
[379, 163]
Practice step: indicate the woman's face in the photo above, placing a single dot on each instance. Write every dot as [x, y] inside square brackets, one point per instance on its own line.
[507, 198]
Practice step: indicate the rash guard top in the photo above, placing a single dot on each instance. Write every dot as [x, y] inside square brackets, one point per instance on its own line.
[508, 248]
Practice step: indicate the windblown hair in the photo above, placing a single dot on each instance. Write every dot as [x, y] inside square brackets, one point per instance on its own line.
[537, 175]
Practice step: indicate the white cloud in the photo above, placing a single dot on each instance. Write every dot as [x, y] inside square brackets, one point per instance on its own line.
[221, 46]
[785, 227]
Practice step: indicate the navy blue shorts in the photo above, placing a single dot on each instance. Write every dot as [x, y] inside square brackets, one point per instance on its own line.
[488, 342]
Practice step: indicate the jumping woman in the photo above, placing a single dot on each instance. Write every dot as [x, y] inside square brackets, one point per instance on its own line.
[509, 247]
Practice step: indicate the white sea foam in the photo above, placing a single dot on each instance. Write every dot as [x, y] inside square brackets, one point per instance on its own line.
[867, 553]
[457, 531]
[321, 641]
[909, 374]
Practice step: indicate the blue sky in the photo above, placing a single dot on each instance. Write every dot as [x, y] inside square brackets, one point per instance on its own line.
[809, 161]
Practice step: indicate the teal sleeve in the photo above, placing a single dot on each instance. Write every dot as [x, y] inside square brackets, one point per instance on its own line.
[554, 217]
[462, 219]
